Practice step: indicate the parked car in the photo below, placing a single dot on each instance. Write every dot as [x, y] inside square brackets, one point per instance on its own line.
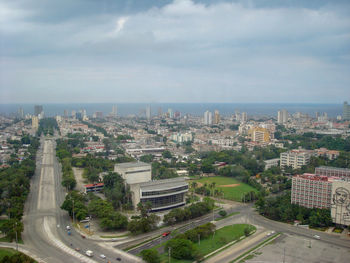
[317, 237]
[68, 227]
[83, 236]
[102, 256]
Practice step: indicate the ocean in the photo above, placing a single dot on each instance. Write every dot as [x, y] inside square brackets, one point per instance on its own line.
[196, 109]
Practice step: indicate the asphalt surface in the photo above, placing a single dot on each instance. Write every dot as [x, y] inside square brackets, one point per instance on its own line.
[45, 223]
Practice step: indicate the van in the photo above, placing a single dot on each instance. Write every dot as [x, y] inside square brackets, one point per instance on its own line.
[89, 253]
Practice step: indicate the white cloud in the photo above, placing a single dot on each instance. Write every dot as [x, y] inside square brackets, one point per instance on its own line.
[188, 47]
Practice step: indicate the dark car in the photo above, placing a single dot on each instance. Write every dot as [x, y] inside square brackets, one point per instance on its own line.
[82, 236]
[119, 259]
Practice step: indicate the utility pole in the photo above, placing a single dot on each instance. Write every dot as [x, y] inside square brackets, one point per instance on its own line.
[169, 253]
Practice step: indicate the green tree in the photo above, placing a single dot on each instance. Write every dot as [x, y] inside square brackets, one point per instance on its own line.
[150, 256]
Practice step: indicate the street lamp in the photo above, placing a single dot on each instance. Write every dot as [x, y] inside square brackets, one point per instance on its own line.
[16, 237]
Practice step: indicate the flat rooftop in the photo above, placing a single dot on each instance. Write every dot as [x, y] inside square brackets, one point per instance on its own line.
[131, 165]
[163, 184]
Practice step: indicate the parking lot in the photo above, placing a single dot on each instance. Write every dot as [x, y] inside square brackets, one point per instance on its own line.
[293, 249]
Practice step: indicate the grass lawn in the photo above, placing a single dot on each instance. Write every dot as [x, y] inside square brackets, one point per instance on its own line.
[221, 237]
[223, 217]
[6, 252]
[234, 193]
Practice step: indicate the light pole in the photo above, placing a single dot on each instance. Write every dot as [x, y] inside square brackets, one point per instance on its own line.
[73, 211]
[16, 237]
[169, 253]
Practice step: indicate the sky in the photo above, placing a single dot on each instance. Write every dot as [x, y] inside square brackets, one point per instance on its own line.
[174, 51]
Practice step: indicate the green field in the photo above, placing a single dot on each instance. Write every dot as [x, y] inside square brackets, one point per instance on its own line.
[231, 193]
[222, 237]
[6, 252]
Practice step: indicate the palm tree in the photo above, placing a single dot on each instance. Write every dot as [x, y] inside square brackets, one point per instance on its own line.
[194, 185]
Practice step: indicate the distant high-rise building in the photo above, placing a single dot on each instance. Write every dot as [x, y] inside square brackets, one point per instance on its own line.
[216, 117]
[346, 111]
[35, 122]
[65, 113]
[177, 115]
[282, 116]
[170, 113]
[20, 113]
[148, 112]
[317, 114]
[99, 114]
[38, 109]
[160, 113]
[114, 112]
[208, 119]
[74, 114]
[244, 117]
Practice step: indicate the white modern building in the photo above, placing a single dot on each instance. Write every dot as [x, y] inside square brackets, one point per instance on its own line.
[271, 163]
[295, 158]
[162, 194]
[208, 118]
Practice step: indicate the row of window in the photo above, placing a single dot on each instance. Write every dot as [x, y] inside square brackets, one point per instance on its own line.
[164, 200]
[162, 192]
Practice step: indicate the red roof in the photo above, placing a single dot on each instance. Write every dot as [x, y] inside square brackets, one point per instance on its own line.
[92, 185]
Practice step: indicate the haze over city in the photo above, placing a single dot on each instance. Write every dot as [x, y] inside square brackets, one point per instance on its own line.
[174, 51]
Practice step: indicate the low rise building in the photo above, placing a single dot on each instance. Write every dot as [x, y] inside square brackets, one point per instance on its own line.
[332, 171]
[295, 158]
[271, 163]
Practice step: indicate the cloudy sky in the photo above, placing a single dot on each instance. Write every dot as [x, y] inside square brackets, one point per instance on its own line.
[174, 51]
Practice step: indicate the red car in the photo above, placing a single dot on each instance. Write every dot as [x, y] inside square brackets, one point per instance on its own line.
[82, 236]
[166, 234]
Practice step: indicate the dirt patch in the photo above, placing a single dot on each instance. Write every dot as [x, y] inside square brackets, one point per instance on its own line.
[229, 185]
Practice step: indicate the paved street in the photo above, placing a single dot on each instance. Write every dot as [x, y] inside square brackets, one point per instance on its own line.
[45, 222]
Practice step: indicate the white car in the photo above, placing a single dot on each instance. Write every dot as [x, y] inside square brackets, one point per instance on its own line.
[317, 237]
[102, 256]
[68, 227]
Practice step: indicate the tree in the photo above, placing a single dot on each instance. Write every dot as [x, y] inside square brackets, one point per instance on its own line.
[181, 248]
[167, 154]
[150, 256]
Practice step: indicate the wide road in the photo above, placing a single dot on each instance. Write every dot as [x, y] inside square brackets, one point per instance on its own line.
[45, 223]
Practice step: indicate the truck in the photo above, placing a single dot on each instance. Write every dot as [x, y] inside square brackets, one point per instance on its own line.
[89, 253]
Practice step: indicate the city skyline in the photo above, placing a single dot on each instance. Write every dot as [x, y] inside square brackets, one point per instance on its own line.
[178, 51]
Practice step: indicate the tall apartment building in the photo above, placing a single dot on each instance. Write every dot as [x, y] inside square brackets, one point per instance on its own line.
[346, 111]
[282, 116]
[259, 134]
[208, 118]
[148, 112]
[35, 122]
[244, 117]
[333, 172]
[38, 109]
[311, 191]
[216, 117]
[295, 158]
